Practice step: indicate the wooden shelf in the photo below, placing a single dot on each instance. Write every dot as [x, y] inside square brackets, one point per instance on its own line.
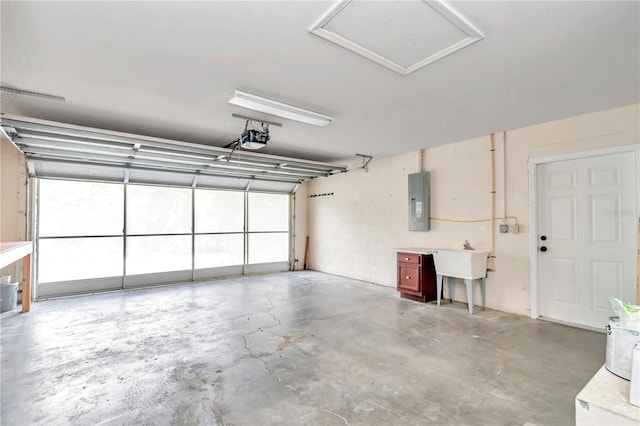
[13, 251]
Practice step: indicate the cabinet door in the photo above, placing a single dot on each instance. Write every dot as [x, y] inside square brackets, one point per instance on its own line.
[409, 277]
[429, 278]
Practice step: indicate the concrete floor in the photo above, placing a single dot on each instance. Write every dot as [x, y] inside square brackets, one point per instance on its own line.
[297, 348]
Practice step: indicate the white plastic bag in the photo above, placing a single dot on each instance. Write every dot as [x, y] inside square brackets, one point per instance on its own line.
[628, 314]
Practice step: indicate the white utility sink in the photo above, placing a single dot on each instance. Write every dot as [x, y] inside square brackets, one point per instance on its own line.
[465, 264]
[470, 265]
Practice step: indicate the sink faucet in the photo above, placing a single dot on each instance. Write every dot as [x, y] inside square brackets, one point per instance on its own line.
[467, 246]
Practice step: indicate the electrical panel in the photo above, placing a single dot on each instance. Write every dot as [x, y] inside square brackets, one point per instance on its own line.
[419, 206]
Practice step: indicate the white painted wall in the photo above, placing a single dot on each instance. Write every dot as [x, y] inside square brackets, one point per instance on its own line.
[353, 232]
[13, 177]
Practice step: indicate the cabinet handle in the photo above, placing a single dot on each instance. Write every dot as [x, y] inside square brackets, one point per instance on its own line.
[406, 258]
[408, 277]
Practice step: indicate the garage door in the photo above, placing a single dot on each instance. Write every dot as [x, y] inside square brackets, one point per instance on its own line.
[94, 236]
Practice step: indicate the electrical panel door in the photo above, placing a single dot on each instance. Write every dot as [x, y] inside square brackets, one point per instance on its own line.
[419, 208]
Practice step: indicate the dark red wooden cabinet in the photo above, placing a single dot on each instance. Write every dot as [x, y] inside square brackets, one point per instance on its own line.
[416, 276]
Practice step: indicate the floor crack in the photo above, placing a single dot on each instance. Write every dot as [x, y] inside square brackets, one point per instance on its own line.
[272, 306]
[244, 338]
[337, 415]
[278, 323]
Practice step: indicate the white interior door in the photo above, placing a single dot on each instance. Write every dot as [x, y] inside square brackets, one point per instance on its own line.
[587, 211]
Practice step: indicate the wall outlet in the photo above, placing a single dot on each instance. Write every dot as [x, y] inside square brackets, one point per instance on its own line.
[504, 229]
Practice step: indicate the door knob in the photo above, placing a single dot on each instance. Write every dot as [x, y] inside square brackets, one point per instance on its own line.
[543, 248]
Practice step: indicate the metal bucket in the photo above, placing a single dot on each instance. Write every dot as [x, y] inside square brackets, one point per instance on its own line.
[620, 343]
[8, 297]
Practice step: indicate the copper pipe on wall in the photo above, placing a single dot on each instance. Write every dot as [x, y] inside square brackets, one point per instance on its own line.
[493, 199]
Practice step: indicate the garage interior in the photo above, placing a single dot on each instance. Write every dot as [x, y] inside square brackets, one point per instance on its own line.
[217, 210]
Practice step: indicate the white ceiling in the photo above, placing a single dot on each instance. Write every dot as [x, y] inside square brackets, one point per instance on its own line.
[167, 69]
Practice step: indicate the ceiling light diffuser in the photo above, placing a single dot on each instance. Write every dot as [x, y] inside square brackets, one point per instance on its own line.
[269, 106]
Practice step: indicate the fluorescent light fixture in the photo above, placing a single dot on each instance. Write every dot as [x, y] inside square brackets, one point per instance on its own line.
[268, 106]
